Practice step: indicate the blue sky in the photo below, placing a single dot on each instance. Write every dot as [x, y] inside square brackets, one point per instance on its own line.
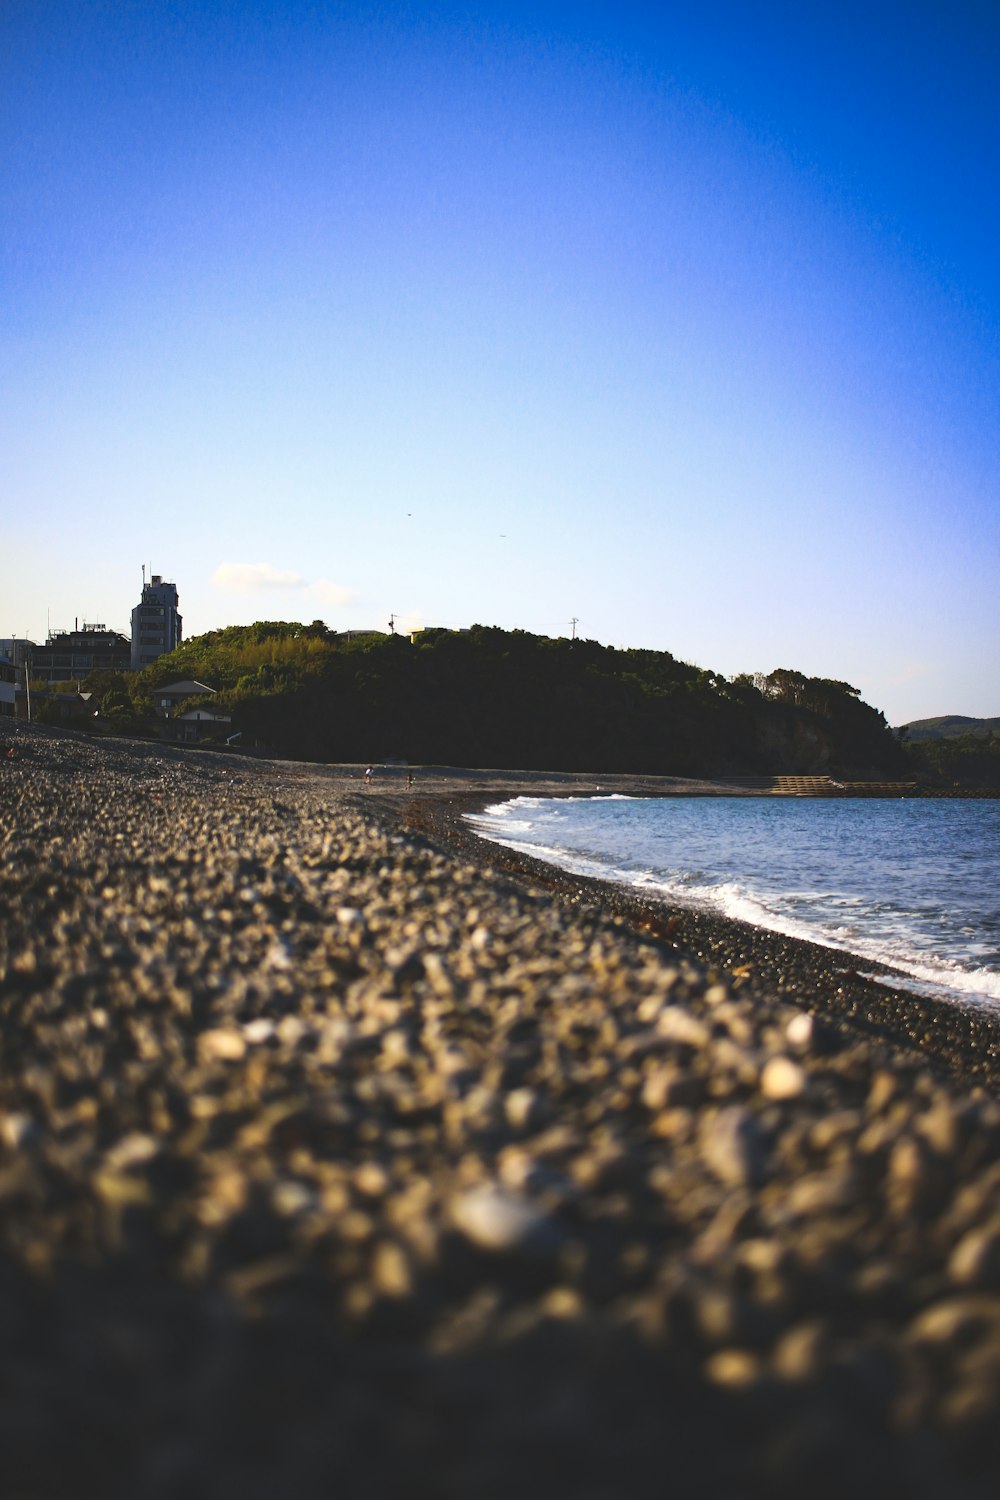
[680, 320]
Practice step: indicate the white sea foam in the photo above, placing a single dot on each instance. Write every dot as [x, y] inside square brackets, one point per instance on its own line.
[903, 884]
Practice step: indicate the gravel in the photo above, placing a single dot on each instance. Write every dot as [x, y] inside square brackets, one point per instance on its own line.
[337, 1155]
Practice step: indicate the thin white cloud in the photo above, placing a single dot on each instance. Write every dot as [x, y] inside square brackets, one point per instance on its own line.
[247, 578]
[324, 591]
[252, 578]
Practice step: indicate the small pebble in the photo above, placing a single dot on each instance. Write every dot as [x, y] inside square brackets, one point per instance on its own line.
[495, 1219]
[782, 1079]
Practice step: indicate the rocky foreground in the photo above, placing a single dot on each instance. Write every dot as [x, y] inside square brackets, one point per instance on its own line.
[330, 1164]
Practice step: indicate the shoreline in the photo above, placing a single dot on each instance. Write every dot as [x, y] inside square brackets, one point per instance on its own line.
[341, 1152]
[831, 983]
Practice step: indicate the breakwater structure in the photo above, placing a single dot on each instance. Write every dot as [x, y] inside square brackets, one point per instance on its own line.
[818, 786]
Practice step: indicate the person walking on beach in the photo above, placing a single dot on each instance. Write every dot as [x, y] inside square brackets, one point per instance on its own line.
[368, 775]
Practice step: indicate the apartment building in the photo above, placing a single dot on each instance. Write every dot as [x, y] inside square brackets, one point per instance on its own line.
[71, 654]
[7, 691]
[156, 625]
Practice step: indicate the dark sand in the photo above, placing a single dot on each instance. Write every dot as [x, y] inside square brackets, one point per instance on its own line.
[341, 1153]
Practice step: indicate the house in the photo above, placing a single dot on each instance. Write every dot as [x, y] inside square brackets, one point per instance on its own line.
[50, 706]
[200, 721]
[199, 724]
[167, 697]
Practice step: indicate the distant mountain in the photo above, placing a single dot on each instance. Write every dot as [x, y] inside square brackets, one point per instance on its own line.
[954, 751]
[948, 726]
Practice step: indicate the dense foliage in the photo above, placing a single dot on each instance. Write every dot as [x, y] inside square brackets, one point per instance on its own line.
[490, 697]
[968, 760]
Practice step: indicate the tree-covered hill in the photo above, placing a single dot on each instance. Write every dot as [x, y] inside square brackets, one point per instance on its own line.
[948, 726]
[954, 751]
[509, 699]
[245, 659]
[957, 760]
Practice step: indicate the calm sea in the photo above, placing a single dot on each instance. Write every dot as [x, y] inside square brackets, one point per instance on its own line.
[915, 884]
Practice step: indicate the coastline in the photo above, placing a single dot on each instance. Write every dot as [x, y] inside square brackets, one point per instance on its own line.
[338, 1154]
[831, 983]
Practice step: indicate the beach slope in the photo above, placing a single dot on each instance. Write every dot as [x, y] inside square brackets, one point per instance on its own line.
[336, 1157]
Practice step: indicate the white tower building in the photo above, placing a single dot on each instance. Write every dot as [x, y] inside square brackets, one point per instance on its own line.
[156, 625]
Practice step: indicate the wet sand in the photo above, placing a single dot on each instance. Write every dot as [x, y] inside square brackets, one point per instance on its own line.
[338, 1154]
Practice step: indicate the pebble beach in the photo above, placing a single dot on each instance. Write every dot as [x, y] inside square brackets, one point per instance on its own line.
[342, 1153]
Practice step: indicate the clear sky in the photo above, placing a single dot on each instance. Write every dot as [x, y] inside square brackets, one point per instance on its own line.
[678, 319]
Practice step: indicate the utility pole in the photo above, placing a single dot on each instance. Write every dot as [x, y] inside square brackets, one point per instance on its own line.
[573, 624]
[392, 624]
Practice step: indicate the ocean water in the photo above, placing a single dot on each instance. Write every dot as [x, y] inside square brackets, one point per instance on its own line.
[911, 883]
